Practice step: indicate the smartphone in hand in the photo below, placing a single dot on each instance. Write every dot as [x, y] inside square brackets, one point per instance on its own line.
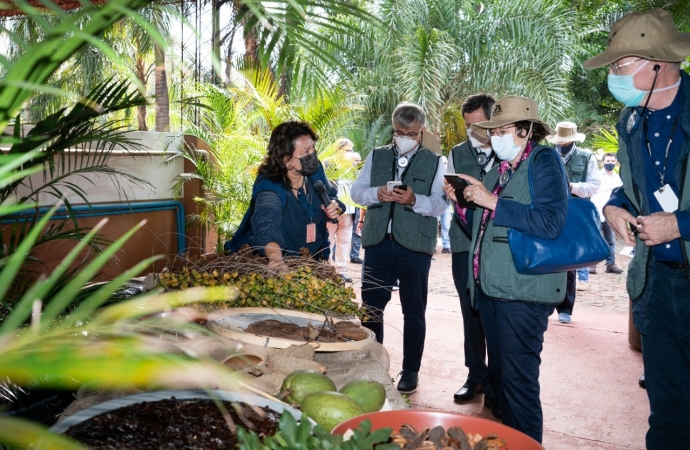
[392, 184]
[459, 185]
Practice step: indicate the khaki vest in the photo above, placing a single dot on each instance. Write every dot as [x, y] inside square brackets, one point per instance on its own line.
[498, 278]
[576, 168]
[411, 230]
[464, 162]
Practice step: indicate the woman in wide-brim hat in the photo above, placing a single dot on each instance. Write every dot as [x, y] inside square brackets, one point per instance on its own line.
[514, 308]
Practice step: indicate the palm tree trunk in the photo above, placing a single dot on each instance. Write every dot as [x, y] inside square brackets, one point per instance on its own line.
[162, 95]
[141, 110]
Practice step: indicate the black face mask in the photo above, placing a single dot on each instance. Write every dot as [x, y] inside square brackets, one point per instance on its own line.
[310, 164]
[609, 166]
[566, 148]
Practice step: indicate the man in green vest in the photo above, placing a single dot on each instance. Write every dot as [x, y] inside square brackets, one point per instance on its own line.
[402, 186]
[473, 157]
[583, 176]
[651, 210]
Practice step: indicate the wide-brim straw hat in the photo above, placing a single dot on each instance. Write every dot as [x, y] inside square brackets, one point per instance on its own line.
[650, 35]
[512, 109]
[565, 132]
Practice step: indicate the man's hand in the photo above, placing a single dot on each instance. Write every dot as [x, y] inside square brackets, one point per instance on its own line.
[658, 228]
[383, 195]
[397, 195]
[404, 197]
[621, 221]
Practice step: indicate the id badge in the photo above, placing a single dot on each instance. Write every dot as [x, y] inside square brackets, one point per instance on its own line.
[667, 199]
[311, 233]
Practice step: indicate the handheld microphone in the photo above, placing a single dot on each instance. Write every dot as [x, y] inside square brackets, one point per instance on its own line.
[321, 192]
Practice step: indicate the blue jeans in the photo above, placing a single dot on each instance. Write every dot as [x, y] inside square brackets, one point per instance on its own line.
[663, 318]
[445, 226]
[583, 274]
[383, 265]
[514, 339]
[356, 244]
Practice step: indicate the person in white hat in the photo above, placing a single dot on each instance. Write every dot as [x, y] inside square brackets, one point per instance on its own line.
[652, 209]
[583, 174]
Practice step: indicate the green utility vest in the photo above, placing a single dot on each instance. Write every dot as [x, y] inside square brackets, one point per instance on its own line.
[576, 168]
[411, 230]
[638, 267]
[465, 162]
[498, 278]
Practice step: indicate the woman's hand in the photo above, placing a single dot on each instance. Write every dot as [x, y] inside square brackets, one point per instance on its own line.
[332, 210]
[477, 193]
[449, 190]
[275, 257]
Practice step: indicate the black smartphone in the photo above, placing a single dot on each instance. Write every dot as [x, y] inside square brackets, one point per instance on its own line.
[459, 185]
[402, 187]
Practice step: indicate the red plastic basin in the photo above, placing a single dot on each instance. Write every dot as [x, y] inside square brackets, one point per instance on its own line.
[421, 418]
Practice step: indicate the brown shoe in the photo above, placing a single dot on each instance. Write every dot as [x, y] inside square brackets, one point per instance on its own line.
[593, 270]
[612, 268]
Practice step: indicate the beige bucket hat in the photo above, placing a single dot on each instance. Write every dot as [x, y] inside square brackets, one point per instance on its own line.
[650, 35]
[512, 109]
[565, 132]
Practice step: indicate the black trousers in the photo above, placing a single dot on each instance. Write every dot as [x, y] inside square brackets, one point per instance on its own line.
[383, 265]
[474, 342]
[568, 302]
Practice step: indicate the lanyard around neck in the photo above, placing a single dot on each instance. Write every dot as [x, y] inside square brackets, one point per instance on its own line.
[662, 174]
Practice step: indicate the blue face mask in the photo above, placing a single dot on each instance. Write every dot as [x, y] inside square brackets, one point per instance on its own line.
[622, 87]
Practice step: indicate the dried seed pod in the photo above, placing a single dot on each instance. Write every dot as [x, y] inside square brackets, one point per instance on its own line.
[458, 438]
[357, 334]
[398, 439]
[437, 435]
[408, 432]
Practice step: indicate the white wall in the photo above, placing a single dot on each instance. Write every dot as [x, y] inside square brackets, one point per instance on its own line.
[146, 164]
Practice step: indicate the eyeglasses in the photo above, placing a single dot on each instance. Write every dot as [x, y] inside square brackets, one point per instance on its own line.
[615, 68]
[411, 135]
[499, 131]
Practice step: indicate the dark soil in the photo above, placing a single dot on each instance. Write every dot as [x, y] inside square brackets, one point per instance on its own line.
[174, 424]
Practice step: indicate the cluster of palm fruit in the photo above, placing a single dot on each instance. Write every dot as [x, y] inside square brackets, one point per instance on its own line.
[310, 285]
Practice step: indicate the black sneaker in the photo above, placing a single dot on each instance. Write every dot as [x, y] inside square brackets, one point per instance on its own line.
[408, 382]
[357, 260]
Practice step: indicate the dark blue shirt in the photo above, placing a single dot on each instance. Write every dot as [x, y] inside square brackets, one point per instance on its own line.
[660, 124]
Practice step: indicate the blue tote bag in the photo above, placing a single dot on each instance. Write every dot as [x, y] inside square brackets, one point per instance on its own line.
[579, 245]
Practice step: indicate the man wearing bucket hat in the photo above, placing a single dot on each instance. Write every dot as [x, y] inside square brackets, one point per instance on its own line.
[514, 308]
[652, 208]
[583, 175]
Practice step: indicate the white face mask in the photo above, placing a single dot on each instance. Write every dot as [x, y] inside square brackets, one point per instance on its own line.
[505, 148]
[405, 144]
[477, 140]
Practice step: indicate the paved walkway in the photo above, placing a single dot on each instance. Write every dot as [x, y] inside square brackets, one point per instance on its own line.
[589, 373]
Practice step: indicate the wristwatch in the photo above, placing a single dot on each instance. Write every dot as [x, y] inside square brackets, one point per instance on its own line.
[413, 202]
